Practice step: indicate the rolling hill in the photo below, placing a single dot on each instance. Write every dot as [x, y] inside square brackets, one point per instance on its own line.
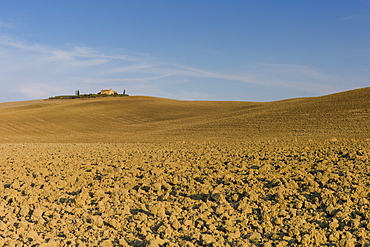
[150, 119]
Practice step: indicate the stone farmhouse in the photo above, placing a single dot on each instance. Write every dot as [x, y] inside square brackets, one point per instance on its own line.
[107, 91]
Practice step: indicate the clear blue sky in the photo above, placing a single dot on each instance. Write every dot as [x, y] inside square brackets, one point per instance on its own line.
[202, 49]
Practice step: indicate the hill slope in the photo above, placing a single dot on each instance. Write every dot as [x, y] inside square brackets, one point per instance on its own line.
[149, 119]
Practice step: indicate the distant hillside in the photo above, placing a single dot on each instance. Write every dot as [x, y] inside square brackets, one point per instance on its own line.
[150, 119]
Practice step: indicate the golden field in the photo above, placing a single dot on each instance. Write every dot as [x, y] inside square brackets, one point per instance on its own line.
[148, 119]
[144, 171]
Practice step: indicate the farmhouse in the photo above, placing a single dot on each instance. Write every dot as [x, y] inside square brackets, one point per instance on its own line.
[107, 91]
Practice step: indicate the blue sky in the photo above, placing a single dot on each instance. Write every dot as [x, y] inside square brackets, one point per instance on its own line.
[203, 50]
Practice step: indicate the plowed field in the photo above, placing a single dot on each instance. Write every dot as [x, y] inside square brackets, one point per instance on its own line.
[186, 194]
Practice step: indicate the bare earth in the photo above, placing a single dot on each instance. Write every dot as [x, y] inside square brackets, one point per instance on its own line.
[144, 171]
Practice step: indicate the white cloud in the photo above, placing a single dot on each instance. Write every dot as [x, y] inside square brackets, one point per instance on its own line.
[295, 77]
[74, 52]
[290, 76]
[37, 70]
[9, 41]
[358, 17]
[180, 70]
[38, 90]
[61, 55]
[128, 80]
[132, 68]
[5, 24]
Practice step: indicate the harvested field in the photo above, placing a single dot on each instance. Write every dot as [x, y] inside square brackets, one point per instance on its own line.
[186, 194]
[143, 171]
[148, 119]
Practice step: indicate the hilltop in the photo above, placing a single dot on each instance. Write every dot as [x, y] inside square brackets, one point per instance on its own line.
[150, 119]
